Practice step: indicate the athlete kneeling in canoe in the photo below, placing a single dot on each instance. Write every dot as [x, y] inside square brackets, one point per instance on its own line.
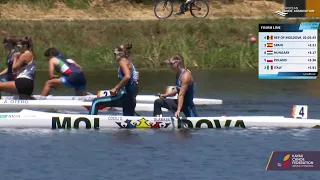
[25, 67]
[10, 44]
[72, 75]
[185, 88]
[125, 92]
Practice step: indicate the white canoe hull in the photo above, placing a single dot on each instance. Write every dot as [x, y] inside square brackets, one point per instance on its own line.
[140, 99]
[35, 119]
[67, 105]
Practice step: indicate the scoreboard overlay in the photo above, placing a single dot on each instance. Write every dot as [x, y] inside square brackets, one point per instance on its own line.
[288, 51]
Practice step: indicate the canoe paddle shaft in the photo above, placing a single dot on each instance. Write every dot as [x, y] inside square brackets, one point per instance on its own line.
[180, 122]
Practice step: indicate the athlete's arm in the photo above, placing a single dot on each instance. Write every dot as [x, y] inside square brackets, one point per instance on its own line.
[5, 71]
[51, 68]
[124, 65]
[15, 58]
[19, 61]
[171, 93]
[185, 81]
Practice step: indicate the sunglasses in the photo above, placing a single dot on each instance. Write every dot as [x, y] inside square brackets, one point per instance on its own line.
[172, 62]
[117, 53]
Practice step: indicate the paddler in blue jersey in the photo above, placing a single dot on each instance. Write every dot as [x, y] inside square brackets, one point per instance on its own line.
[125, 92]
[185, 87]
[72, 75]
[10, 44]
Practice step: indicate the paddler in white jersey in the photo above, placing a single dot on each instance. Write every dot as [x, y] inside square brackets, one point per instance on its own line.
[25, 67]
[185, 88]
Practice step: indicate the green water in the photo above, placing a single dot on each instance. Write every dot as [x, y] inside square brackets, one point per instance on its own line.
[209, 83]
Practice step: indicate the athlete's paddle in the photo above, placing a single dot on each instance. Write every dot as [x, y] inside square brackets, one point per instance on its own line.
[136, 113]
[180, 122]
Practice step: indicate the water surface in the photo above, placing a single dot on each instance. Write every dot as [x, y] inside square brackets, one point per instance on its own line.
[153, 154]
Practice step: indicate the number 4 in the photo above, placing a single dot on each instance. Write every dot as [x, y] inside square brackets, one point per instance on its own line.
[301, 112]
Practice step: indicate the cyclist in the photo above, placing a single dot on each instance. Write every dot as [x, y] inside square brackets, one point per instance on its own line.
[183, 7]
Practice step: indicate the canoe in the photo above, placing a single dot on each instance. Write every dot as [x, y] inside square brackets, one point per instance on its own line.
[67, 105]
[38, 119]
[139, 98]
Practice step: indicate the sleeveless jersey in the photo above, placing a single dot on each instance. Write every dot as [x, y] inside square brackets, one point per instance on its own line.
[66, 66]
[131, 85]
[188, 98]
[28, 71]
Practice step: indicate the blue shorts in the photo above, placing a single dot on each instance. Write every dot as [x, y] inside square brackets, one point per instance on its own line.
[75, 80]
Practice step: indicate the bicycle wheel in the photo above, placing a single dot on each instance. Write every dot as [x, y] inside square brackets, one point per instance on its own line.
[163, 5]
[196, 7]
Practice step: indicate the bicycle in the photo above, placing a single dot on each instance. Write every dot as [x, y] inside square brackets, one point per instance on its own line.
[192, 5]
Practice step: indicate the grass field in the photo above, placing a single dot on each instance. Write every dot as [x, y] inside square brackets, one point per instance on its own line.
[220, 43]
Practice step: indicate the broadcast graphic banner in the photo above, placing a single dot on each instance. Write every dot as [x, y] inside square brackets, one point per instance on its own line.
[288, 51]
[294, 160]
[302, 8]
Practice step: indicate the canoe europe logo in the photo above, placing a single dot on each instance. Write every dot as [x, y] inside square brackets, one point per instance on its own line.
[305, 160]
[143, 123]
[284, 12]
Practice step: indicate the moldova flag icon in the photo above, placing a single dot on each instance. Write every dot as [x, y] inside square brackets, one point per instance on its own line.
[269, 37]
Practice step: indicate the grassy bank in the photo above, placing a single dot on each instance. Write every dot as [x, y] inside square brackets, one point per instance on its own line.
[124, 9]
[218, 43]
[83, 4]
